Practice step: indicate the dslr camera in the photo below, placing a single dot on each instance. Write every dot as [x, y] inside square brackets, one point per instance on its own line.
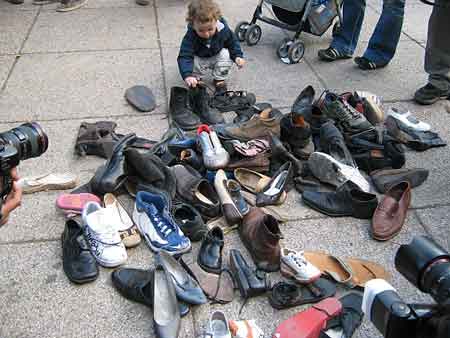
[26, 141]
[427, 266]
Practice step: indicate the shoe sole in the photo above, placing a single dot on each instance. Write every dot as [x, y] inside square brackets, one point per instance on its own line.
[51, 186]
[384, 239]
[426, 102]
[62, 10]
[290, 275]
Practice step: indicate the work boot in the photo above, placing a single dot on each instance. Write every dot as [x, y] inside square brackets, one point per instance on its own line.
[303, 102]
[259, 126]
[249, 282]
[332, 142]
[179, 109]
[199, 100]
[261, 235]
[342, 112]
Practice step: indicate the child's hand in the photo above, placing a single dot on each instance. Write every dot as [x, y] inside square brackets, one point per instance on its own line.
[240, 62]
[191, 81]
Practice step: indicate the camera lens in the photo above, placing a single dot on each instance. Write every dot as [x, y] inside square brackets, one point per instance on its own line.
[29, 140]
[427, 266]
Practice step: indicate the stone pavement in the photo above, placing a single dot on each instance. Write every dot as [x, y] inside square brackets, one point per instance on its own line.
[62, 69]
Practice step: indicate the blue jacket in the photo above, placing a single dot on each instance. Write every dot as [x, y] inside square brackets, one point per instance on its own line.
[192, 45]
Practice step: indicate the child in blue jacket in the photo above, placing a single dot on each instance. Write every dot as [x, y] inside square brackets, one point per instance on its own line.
[209, 45]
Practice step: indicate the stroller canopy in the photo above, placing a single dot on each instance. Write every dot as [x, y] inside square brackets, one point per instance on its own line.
[295, 6]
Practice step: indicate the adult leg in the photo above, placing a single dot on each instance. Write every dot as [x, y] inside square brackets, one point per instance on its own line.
[346, 39]
[437, 58]
[385, 38]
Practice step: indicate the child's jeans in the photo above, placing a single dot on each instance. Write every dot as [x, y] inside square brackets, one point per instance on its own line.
[384, 40]
[219, 64]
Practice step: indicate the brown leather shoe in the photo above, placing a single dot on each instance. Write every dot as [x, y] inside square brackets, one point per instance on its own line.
[261, 235]
[259, 163]
[390, 214]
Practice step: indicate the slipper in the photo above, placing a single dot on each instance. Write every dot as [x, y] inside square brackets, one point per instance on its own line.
[233, 100]
[350, 272]
[74, 203]
[48, 182]
[310, 322]
[218, 288]
[285, 295]
[141, 98]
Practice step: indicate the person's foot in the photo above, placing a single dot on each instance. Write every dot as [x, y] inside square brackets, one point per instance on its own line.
[221, 87]
[70, 5]
[143, 2]
[430, 94]
[365, 64]
[15, 2]
[331, 54]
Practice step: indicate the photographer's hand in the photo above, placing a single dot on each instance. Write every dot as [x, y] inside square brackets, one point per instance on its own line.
[13, 199]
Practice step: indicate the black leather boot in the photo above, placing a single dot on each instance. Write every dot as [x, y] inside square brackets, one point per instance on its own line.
[250, 283]
[180, 111]
[210, 254]
[199, 100]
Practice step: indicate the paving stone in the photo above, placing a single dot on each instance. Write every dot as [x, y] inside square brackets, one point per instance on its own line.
[14, 27]
[39, 301]
[6, 63]
[261, 75]
[436, 221]
[434, 191]
[79, 85]
[397, 81]
[94, 29]
[415, 22]
[61, 156]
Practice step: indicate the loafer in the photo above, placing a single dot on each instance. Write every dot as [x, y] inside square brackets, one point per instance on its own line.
[210, 254]
[78, 263]
[186, 287]
[166, 314]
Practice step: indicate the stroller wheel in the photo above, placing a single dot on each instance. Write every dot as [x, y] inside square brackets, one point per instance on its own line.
[241, 29]
[296, 51]
[283, 48]
[253, 35]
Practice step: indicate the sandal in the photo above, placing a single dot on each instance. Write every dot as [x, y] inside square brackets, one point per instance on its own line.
[285, 295]
[48, 182]
[233, 100]
[366, 64]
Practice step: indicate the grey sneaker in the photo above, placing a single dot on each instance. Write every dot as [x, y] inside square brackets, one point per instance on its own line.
[70, 5]
[340, 110]
[214, 154]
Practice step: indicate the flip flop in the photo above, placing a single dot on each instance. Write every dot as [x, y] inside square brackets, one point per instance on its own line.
[75, 202]
[219, 288]
[48, 182]
[285, 295]
[350, 272]
[141, 98]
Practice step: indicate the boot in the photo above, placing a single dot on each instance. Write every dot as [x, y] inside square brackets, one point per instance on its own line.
[296, 132]
[261, 235]
[199, 100]
[303, 103]
[250, 283]
[179, 110]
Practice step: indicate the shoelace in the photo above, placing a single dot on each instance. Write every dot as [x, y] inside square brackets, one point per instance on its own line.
[298, 260]
[349, 109]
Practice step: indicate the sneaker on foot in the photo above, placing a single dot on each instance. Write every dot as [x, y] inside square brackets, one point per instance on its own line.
[331, 54]
[70, 5]
[365, 64]
[430, 94]
[294, 265]
[157, 226]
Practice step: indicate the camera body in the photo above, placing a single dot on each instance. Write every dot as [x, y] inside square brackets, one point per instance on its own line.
[26, 141]
[426, 265]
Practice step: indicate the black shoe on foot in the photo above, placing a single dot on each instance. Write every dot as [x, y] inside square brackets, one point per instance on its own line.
[330, 54]
[366, 64]
[430, 94]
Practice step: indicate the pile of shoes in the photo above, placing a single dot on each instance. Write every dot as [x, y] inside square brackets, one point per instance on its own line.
[205, 178]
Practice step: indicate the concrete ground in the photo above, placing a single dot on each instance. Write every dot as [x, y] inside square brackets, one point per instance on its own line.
[62, 69]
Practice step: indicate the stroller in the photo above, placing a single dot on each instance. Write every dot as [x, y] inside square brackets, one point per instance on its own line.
[311, 16]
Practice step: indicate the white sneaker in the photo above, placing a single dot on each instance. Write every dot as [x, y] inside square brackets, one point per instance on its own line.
[294, 265]
[101, 233]
[408, 119]
[328, 170]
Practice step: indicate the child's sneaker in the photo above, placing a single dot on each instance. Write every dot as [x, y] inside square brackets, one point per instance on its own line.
[157, 226]
[294, 265]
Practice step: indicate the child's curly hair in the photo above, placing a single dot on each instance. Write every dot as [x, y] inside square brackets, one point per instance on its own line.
[203, 11]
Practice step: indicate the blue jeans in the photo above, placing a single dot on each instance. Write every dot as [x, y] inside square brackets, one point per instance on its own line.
[384, 40]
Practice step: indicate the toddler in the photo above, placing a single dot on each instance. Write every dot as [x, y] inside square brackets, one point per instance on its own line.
[209, 45]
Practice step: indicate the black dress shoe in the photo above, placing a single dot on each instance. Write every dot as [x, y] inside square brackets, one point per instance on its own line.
[78, 263]
[277, 184]
[250, 284]
[303, 102]
[190, 221]
[166, 313]
[348, 200]
[112, 175]
[210, 254]
[186, 287]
